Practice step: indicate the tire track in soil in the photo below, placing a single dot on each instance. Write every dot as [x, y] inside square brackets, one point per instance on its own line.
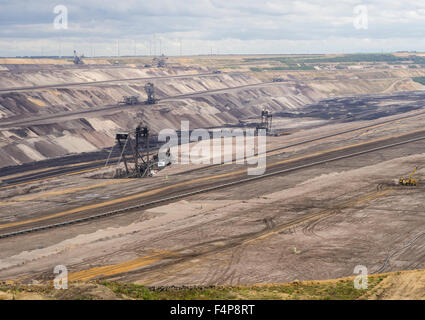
[399, 251]
[171, 263]
[160, 266]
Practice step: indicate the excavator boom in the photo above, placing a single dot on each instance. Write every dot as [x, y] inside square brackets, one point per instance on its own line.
[413, 173]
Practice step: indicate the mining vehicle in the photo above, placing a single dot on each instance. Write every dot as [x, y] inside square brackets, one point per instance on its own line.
[408, 181]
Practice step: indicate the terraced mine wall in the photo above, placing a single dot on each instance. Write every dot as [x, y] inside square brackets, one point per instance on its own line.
[26, 75]
[207, 101]
[88, 133]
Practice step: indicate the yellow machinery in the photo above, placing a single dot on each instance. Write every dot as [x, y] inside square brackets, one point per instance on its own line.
[409, 181]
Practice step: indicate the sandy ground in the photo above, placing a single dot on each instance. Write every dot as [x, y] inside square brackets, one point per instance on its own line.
[407, 285]
[242, 235]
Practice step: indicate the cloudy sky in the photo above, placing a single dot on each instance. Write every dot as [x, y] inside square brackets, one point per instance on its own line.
[174, 27]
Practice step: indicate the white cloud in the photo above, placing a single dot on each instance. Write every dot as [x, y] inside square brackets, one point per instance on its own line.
[250, 26]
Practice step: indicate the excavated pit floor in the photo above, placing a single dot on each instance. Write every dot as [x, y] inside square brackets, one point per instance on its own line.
[238, 235]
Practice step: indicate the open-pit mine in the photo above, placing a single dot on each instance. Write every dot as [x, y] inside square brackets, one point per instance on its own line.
[88, 182]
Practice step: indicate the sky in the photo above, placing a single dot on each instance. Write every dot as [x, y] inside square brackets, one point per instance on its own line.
[190, 27]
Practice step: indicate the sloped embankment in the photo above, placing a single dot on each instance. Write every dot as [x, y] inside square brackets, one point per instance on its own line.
[15, 105]
[90, 132]
[28, 75]
[395, 285]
